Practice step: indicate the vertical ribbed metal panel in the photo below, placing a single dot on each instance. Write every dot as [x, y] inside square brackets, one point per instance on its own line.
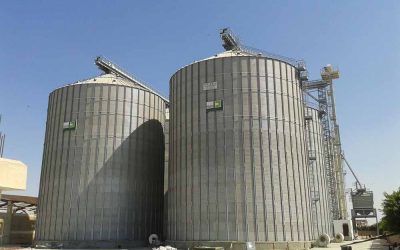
[166, 161]
[102, 183]
[237, 174]
[322, 221]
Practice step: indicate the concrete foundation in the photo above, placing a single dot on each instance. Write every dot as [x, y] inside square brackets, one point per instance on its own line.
[344, 227]
[81, 244]
[241, 245]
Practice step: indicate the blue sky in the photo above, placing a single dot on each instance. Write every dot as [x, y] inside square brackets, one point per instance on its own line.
[46, 44]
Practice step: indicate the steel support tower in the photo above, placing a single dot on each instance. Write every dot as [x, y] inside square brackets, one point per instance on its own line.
[321, 91]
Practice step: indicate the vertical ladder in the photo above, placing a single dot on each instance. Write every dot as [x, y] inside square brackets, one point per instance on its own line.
[312, 171]
[328, 152]
[336, 154]
[331, 139]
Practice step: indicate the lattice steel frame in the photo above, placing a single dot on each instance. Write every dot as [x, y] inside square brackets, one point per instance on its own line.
[331, 143]
[328, 152]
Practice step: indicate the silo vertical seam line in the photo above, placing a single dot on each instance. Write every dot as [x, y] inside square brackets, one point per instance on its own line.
[78, 179]
[49, 163]
[224, 155]
[97, 155]
[45, 168]
[199, 109]
[270, 153]
[175, 128]
[129, 173]
[263, 163]
[87, 164]
[191, 152]
[215, 142]
[241, 148]
[305, 167]
[252, 161]
[293, 100]
[234, 150]
[95, 141]
[299, 164]
[121, 164]
[281, 177]
[102, 233]
[286, 146]
[53, 200]
[97, 134]
[170, 204]
[287, 198]
[111, 227]
[145, 158]
[259, 96]
[278, 152]
[67, 164]
[178, 158]
[301, 172]
[49, 168]
[63, 114]
[74, 168]
[208, 125]
[184, 109]
[179, 132]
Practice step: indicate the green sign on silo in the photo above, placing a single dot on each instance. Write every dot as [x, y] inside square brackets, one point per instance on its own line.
[69, 125]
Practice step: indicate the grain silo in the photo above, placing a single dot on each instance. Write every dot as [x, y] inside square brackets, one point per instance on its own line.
[102, 172]
[237, 159]
[321, 217]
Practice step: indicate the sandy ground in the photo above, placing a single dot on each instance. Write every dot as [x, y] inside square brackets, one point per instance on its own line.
[373, 244]
[28, 248]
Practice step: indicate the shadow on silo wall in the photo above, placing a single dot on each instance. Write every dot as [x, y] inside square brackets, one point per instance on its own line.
[119, 203]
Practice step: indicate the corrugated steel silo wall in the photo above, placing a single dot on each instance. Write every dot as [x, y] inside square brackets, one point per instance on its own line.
[239, 173]
[166, 161]
[102, 181]
[322, 220]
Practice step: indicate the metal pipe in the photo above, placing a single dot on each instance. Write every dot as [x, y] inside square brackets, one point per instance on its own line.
[108, 67]
[348, 165]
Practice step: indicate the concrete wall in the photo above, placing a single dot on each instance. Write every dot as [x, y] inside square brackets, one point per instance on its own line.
[338, 228]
